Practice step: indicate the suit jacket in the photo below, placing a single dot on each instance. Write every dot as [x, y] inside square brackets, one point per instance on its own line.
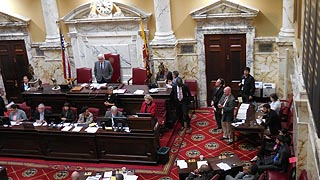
[272, 121]
[150, 108]
[249, 85]
[86, 120]
[68, 115]
[106, 73]
[228, 107]
[185, 93]
[283, 160]
[36, 115]
[109, 114]
[216, 95]
[22, 87]
[20, 115]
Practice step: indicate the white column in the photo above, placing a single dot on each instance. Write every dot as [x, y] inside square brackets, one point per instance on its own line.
[164, 33]
[50, 14]
[287, 30]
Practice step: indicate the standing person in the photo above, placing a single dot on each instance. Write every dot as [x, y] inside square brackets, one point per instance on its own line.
[25, 85]
[168, 75]
[272, 122]
[227, 104]
[148, 106]
[175, 75]
[67, 114]
[181, 97]
[247, 86]
[217, 93]
[103, 70]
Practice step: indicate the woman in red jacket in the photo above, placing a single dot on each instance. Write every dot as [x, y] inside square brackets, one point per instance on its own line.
[148, 106]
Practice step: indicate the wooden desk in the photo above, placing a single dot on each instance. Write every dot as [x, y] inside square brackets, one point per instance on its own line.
[92, 98]
[103, 146]
[250, 124]
[233, 161]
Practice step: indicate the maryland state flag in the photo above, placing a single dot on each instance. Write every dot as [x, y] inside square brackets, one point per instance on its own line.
[145, 50]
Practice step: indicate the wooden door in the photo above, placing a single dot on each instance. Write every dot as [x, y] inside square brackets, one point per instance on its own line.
[13, 66]
[225, 58]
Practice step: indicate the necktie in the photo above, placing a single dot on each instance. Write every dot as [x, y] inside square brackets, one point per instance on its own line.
[101, 66]
[224, 102]
[180, 95]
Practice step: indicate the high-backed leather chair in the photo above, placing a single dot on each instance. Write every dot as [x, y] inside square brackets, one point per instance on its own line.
[84, 75]
[114, 59]
[95, 112]
[161, 111]
[27, 109]
[139, 76]
[193, 87]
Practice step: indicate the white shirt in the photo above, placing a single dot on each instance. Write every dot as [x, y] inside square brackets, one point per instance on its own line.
[276, 105]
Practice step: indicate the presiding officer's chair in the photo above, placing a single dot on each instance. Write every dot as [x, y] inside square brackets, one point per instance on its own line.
[139, 76]
[84, 75]
[114, 60]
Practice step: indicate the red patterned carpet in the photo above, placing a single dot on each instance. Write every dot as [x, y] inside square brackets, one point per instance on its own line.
[203, 140]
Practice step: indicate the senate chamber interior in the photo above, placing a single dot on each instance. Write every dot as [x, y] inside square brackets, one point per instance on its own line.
[159, 89]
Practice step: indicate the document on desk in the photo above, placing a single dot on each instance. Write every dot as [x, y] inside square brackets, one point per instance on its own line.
[200, 163]
[182, 164]
[131, 177]
[119, 91]
[223, 166]
[139, 92]
[107, 174]
[77, 129]
[66, 128]
[91, 129]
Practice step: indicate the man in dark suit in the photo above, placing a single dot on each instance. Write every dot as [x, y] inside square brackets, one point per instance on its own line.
[217, 93]
[25, 85]
[272, 119]
[40, 114]
[113, 113]
[203, 173]
[227, 104]
[247, 86]
[181, 97]
[280, 161]
[103, 70]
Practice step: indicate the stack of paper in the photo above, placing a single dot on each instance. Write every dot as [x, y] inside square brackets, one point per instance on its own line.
[223, 166]
[77, 129]
[242, 112]
[182, 164]
[138, 91]
[119, 91]
[91, 129]
[200, 163]
[66, 128]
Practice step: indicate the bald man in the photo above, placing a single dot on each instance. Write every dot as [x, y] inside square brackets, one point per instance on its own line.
[75, 175]
[103, 70]
[227, 104]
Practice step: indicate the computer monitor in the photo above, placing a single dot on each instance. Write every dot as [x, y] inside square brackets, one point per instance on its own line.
[104, 121]
[4, 120]
[120, 122]
[53, 118]
[144, 115]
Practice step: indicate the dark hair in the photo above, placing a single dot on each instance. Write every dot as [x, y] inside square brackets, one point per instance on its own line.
[254, 169]
[119, 177]
[175, 73]
[284, 130]
[266, 106]
[66, 104]
[222, 81]
[84, 108]
[280, 138]
[14, 106]
[274, 96]
[247, 69]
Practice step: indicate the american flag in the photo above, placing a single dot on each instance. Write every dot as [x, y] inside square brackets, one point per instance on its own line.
[65, 59]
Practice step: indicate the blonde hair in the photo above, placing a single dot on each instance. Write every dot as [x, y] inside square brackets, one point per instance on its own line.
[148, 96]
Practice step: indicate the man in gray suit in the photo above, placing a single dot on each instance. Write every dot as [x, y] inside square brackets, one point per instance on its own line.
[103, 70]
[113, 113]
[227, 104]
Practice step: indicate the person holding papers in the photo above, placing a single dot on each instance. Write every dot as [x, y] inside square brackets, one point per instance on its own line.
[203, 173]
[217, 93]
[67, 114]
[16, 114]
[227, 104]
[86, 116]
[148, 106]
[272, 122]
[40, 114]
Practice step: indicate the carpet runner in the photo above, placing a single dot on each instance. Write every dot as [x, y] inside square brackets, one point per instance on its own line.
[204, 140]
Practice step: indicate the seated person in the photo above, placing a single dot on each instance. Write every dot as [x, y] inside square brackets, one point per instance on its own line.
[275, 102]
[40, 114]
[203, 173]
[250, 173]
[86, 116]
[279, 161]
[161, 73]
[67, 114]
[148, 106]
[25, 85]
[272, 122]
[113, 113]
[111, 99]
[16, 114]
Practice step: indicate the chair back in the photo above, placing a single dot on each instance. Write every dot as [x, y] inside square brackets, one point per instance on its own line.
[27, 109]
[160, 110]
[84, 75]
[114, 60]
[139, 76]
[303, 175]
[95, 112]
[215, 177]
[192, 85]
